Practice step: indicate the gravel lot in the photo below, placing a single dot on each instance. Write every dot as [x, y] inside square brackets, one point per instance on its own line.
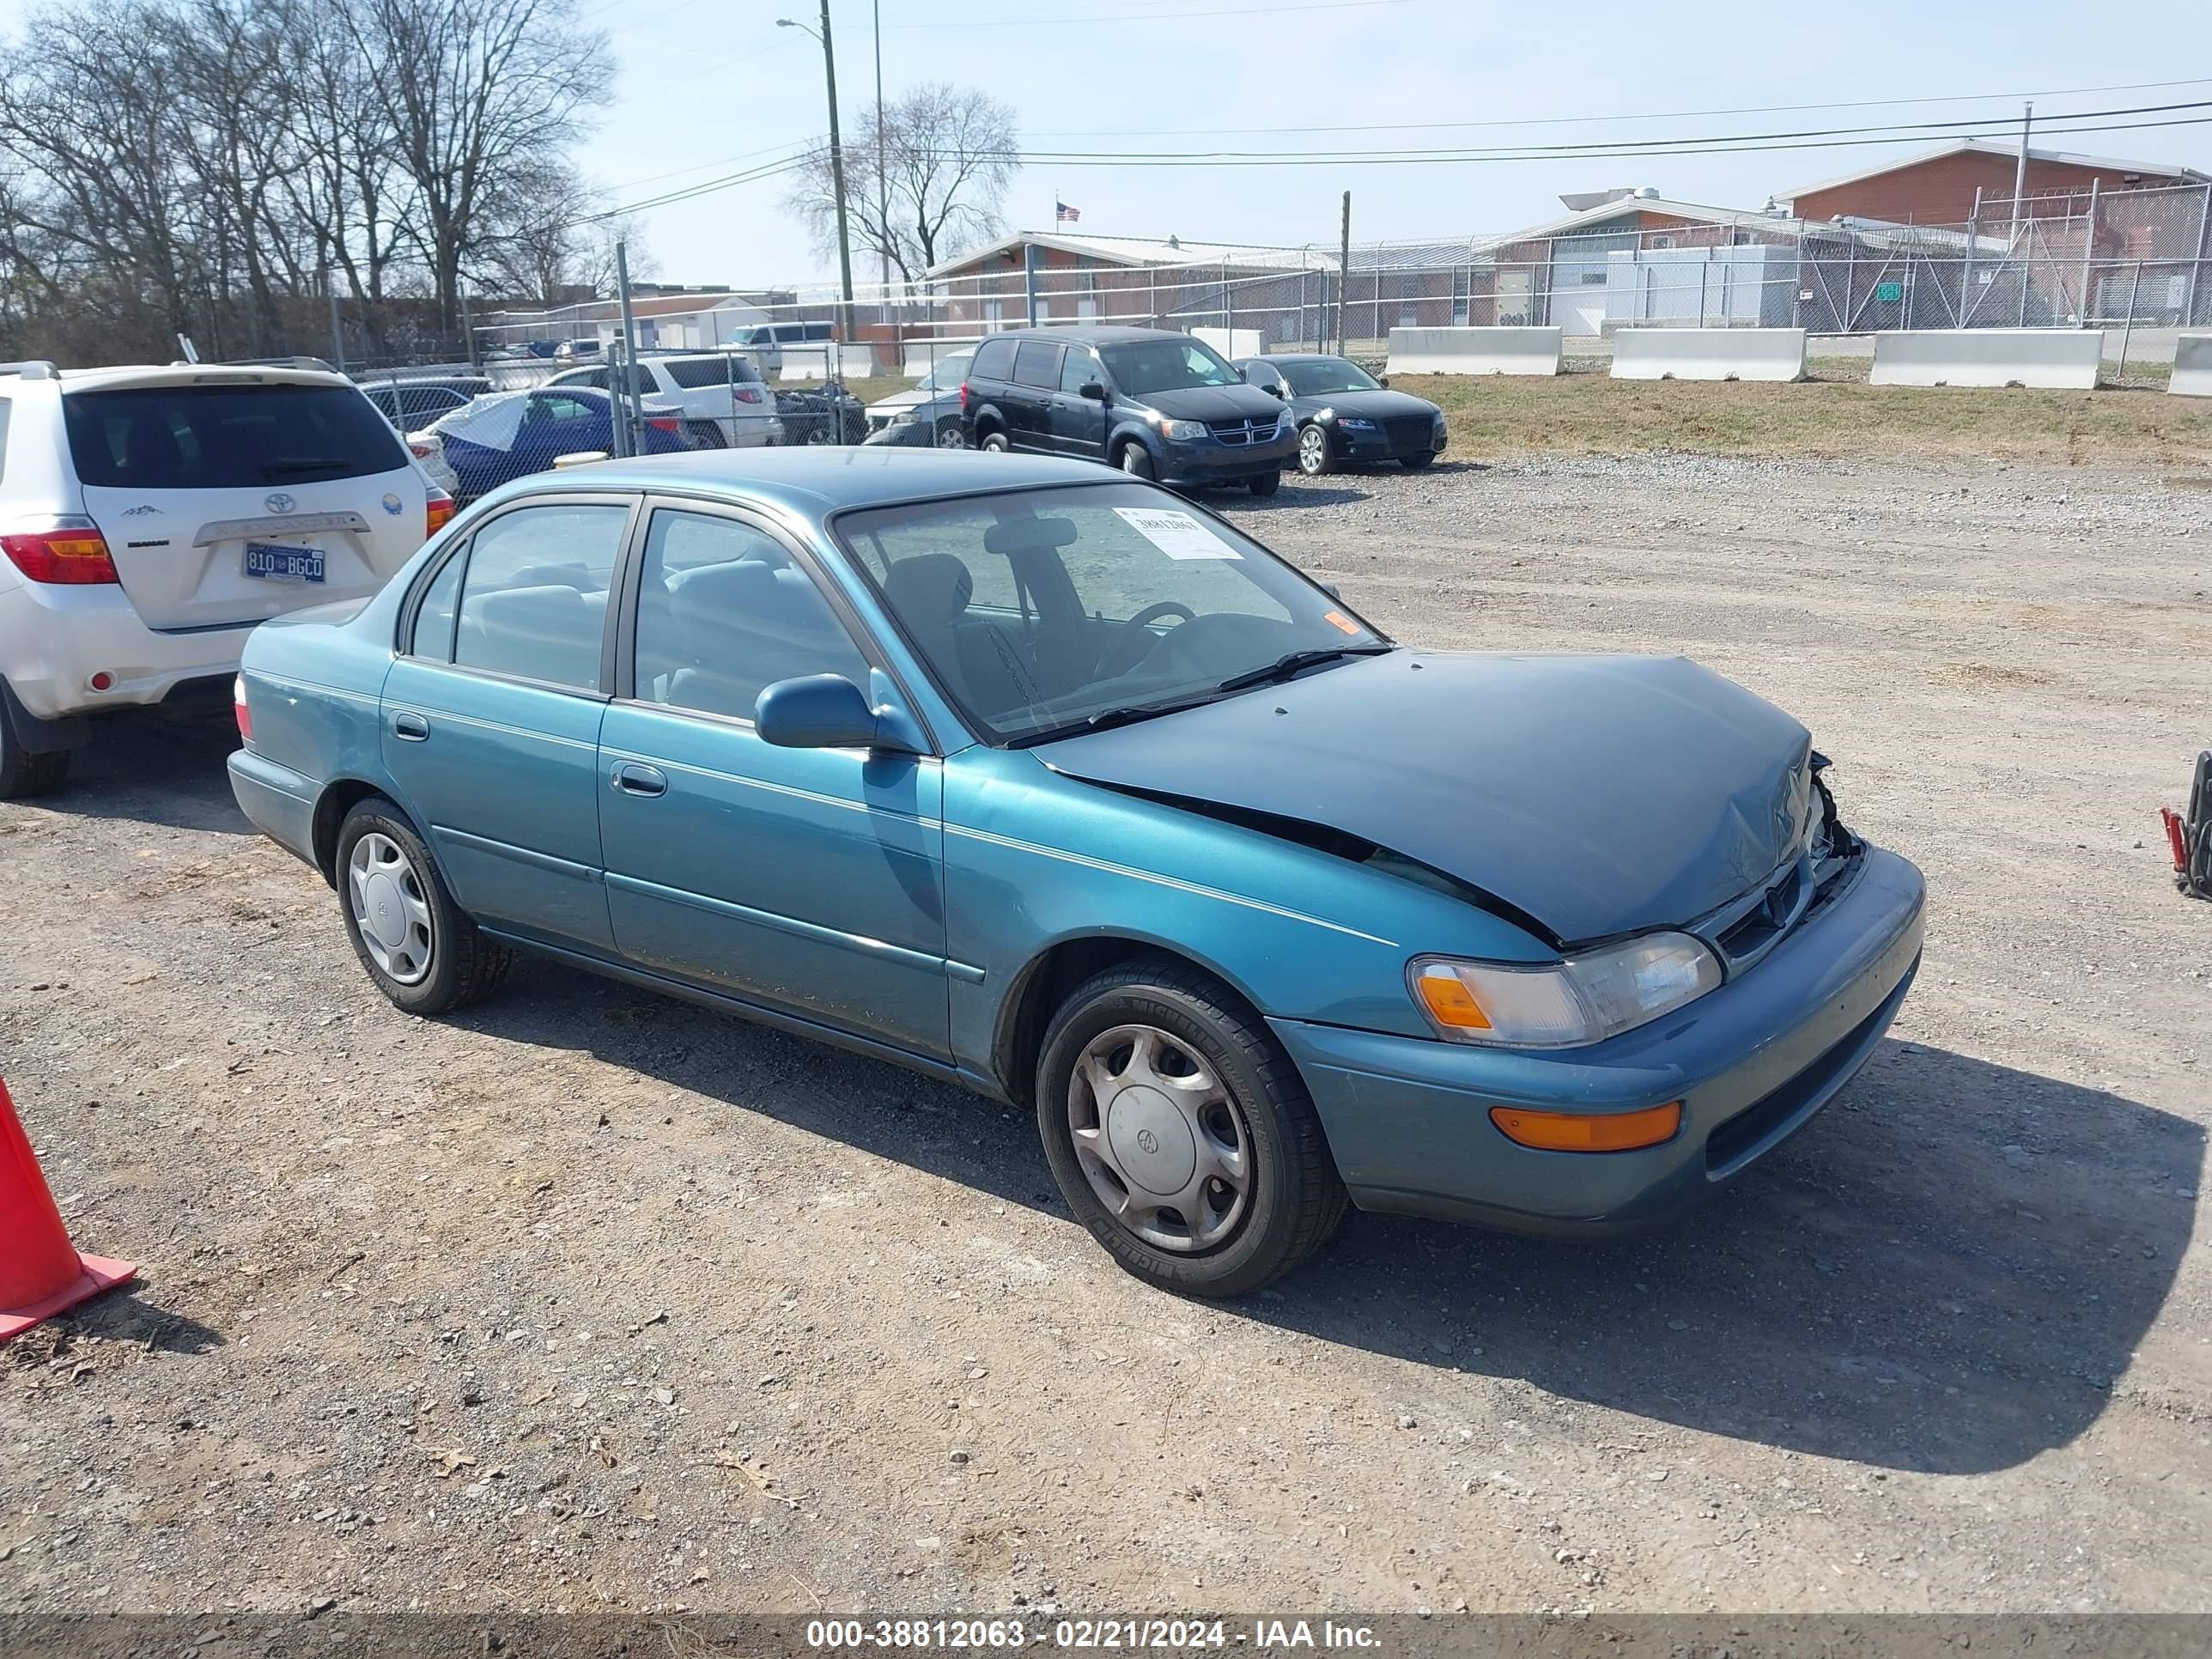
[590, 1300]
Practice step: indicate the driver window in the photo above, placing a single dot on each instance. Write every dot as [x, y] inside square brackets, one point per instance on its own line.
[1079, 368]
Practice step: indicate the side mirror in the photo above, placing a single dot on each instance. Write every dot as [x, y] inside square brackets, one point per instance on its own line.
[816, 711]
[1383, 379]
[1333, 591]
[1273, 389]
[1092, 390]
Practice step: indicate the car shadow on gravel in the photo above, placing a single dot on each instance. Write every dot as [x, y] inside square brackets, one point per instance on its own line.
[1948, 1272]
[157, 766]
[1291, 500]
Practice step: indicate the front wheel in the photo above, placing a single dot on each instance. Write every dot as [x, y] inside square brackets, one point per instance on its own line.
[949, 436]
[1181, 1135]
[1137, 461]
[424, 953]
[1267, 483]
[1313, 452]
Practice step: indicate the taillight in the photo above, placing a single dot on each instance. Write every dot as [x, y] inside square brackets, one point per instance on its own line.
[663, 423]
[438, 511]
[238, 708]
[963, 396]
[419, 450]
[71, 552]
[747, 395]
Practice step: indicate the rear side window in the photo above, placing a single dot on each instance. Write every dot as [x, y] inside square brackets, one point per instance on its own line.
[694, 372]
[994, 360]
[1037, 363]
[434, 617]
[534, 600]
[226, 437]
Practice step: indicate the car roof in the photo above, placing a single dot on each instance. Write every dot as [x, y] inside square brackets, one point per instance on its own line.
[1099, 335]
[813, 481]
[153, 375]
[1294, 357]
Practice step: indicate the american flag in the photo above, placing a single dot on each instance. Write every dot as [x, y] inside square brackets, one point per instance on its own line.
[1064, 214]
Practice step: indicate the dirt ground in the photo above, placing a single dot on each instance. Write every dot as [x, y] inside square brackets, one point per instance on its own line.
[590, 1300]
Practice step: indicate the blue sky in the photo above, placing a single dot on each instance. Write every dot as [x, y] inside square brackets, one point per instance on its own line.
[708, 86]
[705, 79]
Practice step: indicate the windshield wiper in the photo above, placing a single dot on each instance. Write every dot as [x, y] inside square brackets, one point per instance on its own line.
[1290, 661]
[1107, 719]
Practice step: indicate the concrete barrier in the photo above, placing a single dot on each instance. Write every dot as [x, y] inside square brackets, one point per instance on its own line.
[1232, 342]
[2193, 366]
[921, 355]
[1475, 351]
[1709, 353]
[2055, 359]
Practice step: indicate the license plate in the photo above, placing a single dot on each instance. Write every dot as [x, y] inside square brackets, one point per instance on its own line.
[283, 564]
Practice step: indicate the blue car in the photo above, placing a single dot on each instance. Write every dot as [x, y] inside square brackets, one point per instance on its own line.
[506, 435]
[1040, 780]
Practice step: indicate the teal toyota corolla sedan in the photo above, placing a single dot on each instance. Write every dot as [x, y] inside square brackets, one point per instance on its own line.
[1048, 782]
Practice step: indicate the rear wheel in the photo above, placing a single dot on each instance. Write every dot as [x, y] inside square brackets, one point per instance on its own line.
[424, 953]
[24, 774]
[1313, 451]
[1137, 461]
[703, 434]
[995, 442]
[1267, 483]
[1181, 1135]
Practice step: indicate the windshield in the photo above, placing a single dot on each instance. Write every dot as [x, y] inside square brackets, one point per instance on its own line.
[1140, 366]
[227, 436]
[1040, 611]
[1316, 377]
[947, 374]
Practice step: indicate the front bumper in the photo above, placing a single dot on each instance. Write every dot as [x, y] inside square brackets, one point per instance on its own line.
[1197, 461]
[54, 639]
[1356, 448]
[915, 435]
[1409, 1119]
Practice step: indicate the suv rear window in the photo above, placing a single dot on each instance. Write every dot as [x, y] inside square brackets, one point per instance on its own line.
[224, 437]
[693, 373]
[994, 360]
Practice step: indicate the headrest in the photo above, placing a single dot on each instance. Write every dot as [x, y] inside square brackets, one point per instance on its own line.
[929, 587]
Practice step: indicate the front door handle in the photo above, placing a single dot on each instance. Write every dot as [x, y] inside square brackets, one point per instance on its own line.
[632, 778]
[411, 728]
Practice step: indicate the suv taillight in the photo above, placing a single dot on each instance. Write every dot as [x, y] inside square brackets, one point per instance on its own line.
[963, 396]
[238, 708]
[747, 395]
[438, 513]
[68, 552]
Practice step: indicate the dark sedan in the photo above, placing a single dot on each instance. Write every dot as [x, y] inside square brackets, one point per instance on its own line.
[1345, 415]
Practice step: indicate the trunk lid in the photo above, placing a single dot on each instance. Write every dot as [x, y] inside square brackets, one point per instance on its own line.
[1601, 795]
[227, 499]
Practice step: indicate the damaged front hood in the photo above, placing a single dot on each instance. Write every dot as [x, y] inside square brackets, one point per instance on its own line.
[1599, 795]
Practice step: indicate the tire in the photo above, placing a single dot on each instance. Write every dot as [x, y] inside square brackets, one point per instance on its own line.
[23, 774]
[950, 436]
[1137, 461]
[995, 442]
[445, 961]
[704, 435]
[1314, 459]
[1267, 483]
[1414, 463]
[1157, 1016]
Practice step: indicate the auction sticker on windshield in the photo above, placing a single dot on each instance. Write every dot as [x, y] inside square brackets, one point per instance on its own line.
[1176, 534]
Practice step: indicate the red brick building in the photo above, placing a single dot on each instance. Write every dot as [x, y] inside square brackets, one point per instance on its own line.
[1939, 187]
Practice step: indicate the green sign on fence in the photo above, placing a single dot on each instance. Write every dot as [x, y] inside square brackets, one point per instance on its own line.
[1889, 293]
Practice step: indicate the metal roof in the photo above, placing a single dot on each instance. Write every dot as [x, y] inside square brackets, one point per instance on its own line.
[1149, 250]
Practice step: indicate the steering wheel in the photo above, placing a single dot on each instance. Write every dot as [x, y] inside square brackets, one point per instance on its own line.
[1135, 641]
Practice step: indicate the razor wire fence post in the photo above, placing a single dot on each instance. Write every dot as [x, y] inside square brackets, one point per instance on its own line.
[2127, 333]
[2196, 266]
[2089, 251]
[1343, 273]
[621, 385]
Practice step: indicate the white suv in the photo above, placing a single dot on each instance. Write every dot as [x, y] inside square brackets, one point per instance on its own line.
[726, 404]
[150, 517]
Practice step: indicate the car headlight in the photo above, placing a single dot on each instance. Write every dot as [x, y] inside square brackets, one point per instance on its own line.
[904, 417]
[1354, 423]
[1563, 1004]
[1182, 429]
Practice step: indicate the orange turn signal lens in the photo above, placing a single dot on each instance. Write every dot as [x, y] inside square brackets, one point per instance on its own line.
[1587, 1132]
[1448, 1001]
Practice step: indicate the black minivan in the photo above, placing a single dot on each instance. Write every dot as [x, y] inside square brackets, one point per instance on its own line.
[1154, 402]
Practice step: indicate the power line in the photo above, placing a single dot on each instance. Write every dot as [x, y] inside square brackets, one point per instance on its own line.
[1119, 17]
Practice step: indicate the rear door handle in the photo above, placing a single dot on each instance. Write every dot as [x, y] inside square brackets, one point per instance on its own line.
[412, 728]
[632, 778]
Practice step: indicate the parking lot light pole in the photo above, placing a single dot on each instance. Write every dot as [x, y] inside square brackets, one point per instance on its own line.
[837, 166]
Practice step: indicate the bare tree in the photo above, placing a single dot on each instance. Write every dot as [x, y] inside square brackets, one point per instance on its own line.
[551, 237]
[479, 93]
[949, 154]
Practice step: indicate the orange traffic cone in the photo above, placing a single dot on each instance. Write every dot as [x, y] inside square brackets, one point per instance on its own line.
[40, 1271]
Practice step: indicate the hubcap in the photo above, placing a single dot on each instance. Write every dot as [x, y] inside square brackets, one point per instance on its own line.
[1313, 449]
[949, 438]
[390, 910]
[1159, 1138]
[1133, 460]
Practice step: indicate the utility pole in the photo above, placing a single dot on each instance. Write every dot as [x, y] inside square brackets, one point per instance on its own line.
[2019, 172]
[619, 383]
[836, 165]
[468, 328]
[337, 335]
[1343, 270]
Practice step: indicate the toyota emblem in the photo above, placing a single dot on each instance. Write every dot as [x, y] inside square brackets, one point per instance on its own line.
[1147, 1142]
[278, 503]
